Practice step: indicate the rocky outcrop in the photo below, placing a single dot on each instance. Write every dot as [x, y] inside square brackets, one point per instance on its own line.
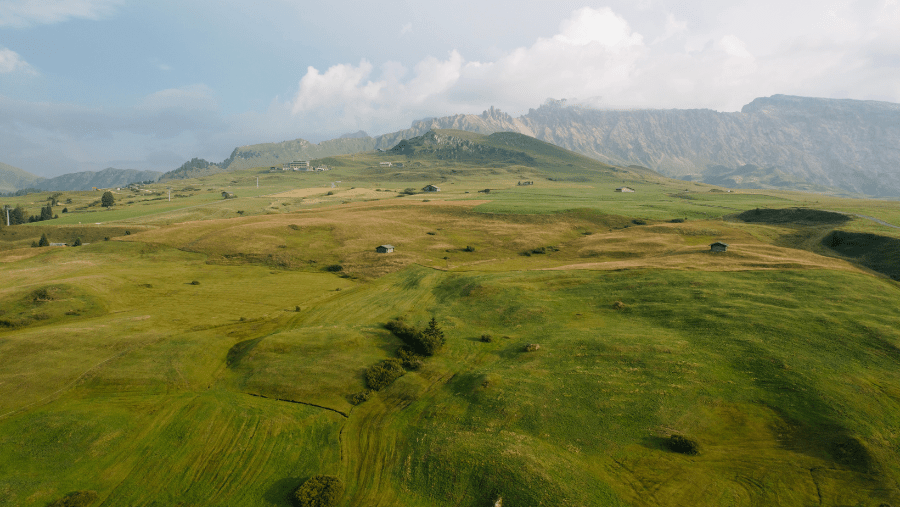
[781, 141]
[774, 142]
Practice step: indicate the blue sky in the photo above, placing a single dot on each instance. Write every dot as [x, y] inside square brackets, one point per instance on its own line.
[89, 84]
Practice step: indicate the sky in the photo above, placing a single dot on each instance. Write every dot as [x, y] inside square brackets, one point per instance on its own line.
[91, 84]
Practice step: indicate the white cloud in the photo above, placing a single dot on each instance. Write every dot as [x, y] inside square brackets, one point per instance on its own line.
[197, 97]
[594, 50]
[20, 13]
[602, 26]
[11, 62]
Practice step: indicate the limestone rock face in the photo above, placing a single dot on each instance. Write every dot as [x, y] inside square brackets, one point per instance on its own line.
[774, 142]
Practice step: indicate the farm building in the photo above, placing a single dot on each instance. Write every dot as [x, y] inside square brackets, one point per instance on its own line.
[385, 249]
[430, 188]
[624, 189]
[718, 246]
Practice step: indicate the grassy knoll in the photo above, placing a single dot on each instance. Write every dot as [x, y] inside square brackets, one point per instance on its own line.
[210, 357]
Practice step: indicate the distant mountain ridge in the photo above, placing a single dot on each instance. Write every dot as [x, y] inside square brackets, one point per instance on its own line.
[107, 178]
[13, 178]
[774, 142]
[781, 141]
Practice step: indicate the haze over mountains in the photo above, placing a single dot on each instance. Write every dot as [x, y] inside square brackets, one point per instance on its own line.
[774, 142]
[12, 179]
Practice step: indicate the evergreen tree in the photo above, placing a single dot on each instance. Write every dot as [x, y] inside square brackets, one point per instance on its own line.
[17, 215]
[432, 338]
[77, 242]
[47, 213]
[44, 241]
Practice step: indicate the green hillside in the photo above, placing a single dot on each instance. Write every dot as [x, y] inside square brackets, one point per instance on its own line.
[13, 178]
[220, 348]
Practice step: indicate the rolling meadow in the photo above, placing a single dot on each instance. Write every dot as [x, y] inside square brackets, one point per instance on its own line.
[214, 351]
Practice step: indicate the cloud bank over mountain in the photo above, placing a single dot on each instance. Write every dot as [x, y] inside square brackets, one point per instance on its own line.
[126, 84]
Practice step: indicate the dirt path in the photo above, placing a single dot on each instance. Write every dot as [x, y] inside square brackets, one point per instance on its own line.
[867, 217]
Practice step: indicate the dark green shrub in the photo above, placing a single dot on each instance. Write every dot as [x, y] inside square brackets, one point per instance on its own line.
[683, 445]
[44, 241]
[531, 347]
[426, 342]
[319, 491]
[486, 338]
[677, 220]
[638, 221]
[75, 499]
[618, 305]
[469, 249]
[195, 282]
[127, 233]
[384, 374]
[410, 360]
[360, 397]
[334, 268]
[77, 242]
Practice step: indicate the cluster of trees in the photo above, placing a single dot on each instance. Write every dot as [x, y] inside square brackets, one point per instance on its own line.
[17, 215]
[417, 343]
[318, 491]
[426, 342]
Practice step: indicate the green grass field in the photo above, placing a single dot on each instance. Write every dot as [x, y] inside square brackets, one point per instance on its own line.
[202, 356]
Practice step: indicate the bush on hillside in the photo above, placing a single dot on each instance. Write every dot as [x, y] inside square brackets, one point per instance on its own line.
[411, 360]
[618, 305]
[531, 347]
[425, 342]
[683, 445]
[319, 491]
[334, 268]
[360, 397]
[75, 499]
[384, 374]
[486, 338]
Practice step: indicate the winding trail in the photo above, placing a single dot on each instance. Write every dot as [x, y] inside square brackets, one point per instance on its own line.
[867, 217]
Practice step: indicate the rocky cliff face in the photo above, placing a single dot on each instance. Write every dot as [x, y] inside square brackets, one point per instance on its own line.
[774, 142]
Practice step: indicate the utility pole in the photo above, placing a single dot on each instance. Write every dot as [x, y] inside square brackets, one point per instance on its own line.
[7, 214]
[170, 193]
[257, 182]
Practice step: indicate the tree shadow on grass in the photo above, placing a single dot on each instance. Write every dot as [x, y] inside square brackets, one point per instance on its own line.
[279, 493]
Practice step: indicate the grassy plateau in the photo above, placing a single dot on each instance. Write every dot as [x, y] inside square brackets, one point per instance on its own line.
[206, 350]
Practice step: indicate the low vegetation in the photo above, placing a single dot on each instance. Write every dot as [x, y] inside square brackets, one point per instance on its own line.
[203, 356]
[319, 491]
[384, 374]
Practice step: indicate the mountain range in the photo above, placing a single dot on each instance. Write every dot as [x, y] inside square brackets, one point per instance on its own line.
[13, 178]
[798, 143]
